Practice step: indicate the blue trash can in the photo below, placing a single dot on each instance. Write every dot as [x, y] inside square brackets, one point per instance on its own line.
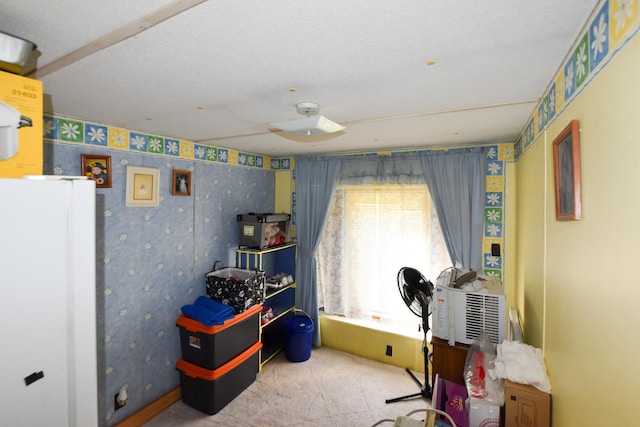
[299, 336]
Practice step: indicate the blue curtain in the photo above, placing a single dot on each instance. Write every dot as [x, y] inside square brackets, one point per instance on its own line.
[398, 168]
[316, 180]
[456, 182]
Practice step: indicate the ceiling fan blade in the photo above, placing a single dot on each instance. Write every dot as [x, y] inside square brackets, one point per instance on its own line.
[309, 126]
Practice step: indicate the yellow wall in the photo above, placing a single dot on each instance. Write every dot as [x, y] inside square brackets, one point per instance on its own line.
[283, 191]
[372, 343]
[530, 208]
[578, 296]
[510, 239]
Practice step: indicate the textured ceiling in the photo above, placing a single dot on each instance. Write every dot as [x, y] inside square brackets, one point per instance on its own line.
[398, 75]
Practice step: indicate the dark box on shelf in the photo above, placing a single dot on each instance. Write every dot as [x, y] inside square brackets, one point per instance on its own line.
[211, 390]
[212, 346]
[263, 230]
[236, 287]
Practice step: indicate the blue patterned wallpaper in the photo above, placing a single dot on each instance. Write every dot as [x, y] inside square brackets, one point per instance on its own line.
[153, 260]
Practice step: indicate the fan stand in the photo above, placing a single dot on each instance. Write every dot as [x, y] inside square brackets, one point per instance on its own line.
[425, 388]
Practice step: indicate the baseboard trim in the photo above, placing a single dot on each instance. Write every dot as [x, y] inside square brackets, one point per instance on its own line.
[152, 409]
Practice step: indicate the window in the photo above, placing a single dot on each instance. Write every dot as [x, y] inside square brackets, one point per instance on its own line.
[372, 231]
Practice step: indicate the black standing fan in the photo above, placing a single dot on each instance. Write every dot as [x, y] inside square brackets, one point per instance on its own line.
[417, 294]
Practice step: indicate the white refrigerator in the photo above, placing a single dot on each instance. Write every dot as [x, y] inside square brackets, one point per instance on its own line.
[48, 372]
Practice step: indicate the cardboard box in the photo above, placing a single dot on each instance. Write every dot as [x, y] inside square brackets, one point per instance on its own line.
[526, 406]
[25, 155]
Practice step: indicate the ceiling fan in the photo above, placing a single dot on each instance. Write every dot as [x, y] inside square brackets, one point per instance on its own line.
[312, 125]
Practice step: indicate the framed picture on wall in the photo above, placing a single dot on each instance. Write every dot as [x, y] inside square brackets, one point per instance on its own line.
[566, 173]
[143, 186]
[181, 183]
[97, 168]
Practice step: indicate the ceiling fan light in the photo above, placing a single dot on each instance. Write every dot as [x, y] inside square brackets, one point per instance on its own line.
[309, 126]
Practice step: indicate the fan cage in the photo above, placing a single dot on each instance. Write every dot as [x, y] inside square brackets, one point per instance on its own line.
[410, 293]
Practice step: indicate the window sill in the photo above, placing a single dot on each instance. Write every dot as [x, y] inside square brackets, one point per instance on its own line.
[403, 332]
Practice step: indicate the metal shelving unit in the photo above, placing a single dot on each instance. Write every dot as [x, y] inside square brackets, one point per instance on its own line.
[273, 261]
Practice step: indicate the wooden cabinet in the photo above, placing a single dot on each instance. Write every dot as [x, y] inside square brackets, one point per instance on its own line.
[278, 261]
[448, 361]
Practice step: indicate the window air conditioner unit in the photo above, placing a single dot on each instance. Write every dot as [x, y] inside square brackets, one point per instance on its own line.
[460, 315]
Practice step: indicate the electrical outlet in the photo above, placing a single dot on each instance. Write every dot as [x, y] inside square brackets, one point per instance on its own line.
[389, 351]
[116, 403]
[495, 249]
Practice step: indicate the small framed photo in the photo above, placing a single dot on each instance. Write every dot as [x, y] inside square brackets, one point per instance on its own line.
[181, 183]
[98, 169]
[566, 173]
[143, 186]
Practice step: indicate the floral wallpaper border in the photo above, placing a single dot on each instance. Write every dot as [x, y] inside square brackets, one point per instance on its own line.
[58, 128]
[604, 35]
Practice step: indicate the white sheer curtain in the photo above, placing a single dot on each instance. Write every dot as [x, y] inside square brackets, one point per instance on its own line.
[372, 231]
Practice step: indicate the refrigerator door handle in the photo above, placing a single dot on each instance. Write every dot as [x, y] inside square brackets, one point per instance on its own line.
[33, 378]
